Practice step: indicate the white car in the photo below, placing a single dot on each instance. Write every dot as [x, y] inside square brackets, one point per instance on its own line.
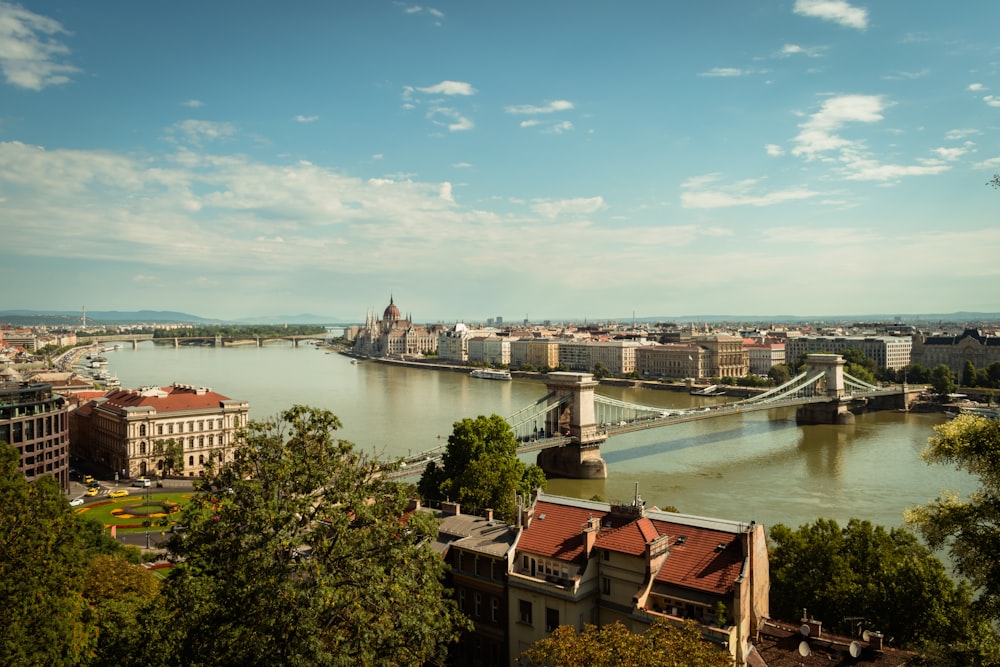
[76, 501]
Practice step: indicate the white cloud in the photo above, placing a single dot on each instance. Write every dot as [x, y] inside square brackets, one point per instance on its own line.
[529, 123]
[194, 104]
[950, 154]
[549, 107]
[703, 192]
[575, 207]
[450, 118]
[444, 192]
[837, 11]
[559, 128]
[449, 88]
[961, 133]
[30, 57]
[462, 165]
[198, 132]
[306, 119]
[795, 49]
[724, 72]
[992, 100]
[992, 163]
[774, 150]
[817, 135]
[976, 87]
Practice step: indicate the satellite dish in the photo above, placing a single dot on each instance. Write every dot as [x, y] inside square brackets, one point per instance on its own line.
[804, 649]
[804, 630]
[866, 635]
[855, 649]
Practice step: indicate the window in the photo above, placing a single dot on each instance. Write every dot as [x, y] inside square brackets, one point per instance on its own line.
[142, 430]
[159, 429]
[551, 619]
[479, 604]
[524, 611]
[607, 554]
[494, 609]
[605, 585]
[461, 599]
[190, 460]
[142, 447]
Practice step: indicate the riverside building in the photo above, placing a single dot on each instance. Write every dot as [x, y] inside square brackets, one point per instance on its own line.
[129, 430]
[35, 422]
[395, 336]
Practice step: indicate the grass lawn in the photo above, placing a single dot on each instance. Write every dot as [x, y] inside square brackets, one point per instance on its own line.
[129, 512]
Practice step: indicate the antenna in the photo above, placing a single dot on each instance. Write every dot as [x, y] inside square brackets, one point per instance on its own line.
[804, 649]
[855, 649]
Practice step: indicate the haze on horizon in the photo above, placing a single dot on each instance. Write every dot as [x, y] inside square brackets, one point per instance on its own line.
[563, 160]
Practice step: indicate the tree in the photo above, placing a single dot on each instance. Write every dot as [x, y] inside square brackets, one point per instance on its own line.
[44, 618]
[127, 610]
[942, 380]
[885, 576]
[969, 529]
[600, 371]
[480, 468]
[780, 373]
[298, 552]
[662, 645]
[969, 374]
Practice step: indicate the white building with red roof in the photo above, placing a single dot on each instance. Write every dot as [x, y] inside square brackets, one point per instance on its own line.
[580, 562]
[128, 430]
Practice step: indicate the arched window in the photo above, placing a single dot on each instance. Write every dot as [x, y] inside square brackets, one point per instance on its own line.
[236, 421]
[142, 430]
[201, 459]
[190, 460]
[142, 447]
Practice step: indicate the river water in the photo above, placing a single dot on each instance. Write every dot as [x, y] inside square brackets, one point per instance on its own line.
[758, 466]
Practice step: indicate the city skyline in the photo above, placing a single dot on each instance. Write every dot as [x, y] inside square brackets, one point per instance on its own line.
[560, 161]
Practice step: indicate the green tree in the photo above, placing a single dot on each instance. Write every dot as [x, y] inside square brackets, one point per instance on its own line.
[969, 529]
[969, 374]
[480, 468]
[885, 576]
[600, 371]
[125, 603]
[44, 619]
[942, 380]
[172, 452]
[301, 552]
[780, 373]
[662, 645]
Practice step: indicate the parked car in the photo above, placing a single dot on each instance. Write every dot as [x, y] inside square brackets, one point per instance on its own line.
[76, 502]
[118, 493]
[142, 483]
[87, 479]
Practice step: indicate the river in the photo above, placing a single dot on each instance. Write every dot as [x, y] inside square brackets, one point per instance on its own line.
[758, 466]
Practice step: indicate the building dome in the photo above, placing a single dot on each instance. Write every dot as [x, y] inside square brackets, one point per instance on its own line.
[391, 313]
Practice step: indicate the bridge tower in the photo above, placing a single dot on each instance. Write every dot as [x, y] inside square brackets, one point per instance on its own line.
[835, 411]
[576, 418]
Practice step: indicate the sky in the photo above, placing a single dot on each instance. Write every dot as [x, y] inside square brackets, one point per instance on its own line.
[521, 159]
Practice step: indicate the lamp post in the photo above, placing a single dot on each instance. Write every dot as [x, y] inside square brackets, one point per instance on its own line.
[147, 521]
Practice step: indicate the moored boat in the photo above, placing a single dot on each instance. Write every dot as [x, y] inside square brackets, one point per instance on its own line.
[491, 374]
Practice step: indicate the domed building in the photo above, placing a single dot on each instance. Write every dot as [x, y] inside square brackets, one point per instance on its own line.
[394, 335]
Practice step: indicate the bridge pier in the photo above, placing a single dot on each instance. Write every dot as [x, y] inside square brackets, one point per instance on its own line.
[834, 412]
[581, 459]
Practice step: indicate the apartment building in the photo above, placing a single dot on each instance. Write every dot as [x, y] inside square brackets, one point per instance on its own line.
[34, 420]
[892, 352]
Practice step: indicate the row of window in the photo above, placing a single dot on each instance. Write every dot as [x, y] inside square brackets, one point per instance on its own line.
[190, 444]
[526, 615]
[200, 424]
[475, 605]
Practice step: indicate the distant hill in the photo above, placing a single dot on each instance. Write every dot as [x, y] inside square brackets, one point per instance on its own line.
[58, 318]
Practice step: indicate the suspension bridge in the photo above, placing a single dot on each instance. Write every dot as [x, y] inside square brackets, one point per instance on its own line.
[567, 425]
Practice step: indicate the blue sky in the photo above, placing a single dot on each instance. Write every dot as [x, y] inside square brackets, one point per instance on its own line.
[523, 159]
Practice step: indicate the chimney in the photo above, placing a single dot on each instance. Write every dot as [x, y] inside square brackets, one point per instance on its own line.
[413, 504]
[590, 530]
[815, 627]
[488, 512]
[450, 508]
[875, 640]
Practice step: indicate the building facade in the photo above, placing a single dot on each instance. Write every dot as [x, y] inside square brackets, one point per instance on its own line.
[763, 356]
[972, 345]
[129, 430]
[672, 360]
[35, 421]
[892, 352]
[726, 356]
[395, 336]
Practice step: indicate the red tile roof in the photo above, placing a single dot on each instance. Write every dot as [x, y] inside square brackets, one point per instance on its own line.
[177, 399]
[706, 560]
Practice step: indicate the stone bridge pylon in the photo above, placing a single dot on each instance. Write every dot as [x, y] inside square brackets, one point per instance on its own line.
[574, 418]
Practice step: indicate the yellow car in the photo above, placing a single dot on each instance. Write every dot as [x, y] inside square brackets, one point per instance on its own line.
[118, 493]
[87, 479]
[93, 491]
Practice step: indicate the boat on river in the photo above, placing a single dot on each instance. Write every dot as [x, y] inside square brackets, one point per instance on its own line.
[710, 390]
[491, 374]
